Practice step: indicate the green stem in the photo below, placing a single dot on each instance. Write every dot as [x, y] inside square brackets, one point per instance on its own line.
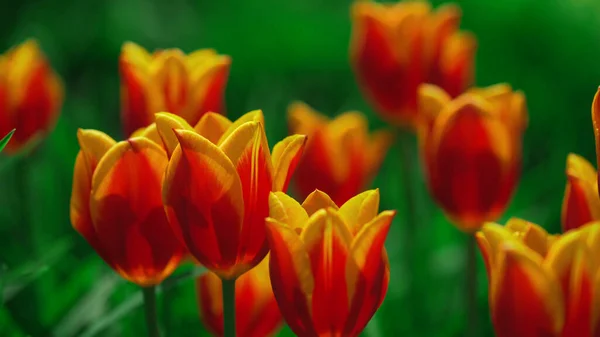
[229, 308]
[150, 310]
[471, 286]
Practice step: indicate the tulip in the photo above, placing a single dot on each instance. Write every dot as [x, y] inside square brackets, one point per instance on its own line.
[31, 95]
[596, 124]
[217, 184]
[168, 80]
[397, 47]
[471, 149]
[257, 313]
[341, 157]
[581, 203]
[542, 285]
[116, 206]
[328, 267]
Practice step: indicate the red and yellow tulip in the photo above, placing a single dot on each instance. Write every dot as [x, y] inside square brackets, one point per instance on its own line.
[471, 148]
[542, 285]
[217, 184]
[329, 269]
[168, 80]
[581, 203]
[257, 313]
[396, 47]
[116, 206]
[31, 95]
[341, 157]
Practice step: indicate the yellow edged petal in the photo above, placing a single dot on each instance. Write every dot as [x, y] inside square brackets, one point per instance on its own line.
[286, 155]
[286, 210]
[317, 200]
[212, 126]
[360, 210]
[165, 124]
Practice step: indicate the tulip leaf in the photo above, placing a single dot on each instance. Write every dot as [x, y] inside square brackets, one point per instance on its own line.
[137, 300]
[5, 140]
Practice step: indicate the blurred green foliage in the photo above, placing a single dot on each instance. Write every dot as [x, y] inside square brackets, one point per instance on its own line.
[53, 284]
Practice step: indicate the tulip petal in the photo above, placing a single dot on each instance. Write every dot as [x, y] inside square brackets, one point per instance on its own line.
[581, 203]
[173, 80]
[286, 155]
[128, 215]
[596, 123]
[134, 78]
[285, 209]
[317, 200]
[378, 147]
[484, 248]
[252, 116]
[249, 152]
[202, 194]
[208, 90]
[94, 144]
[166, 123]
[571, 261]
[456, 62]
[431, 100]
[291, 277]
[327, 241]
[360, 210]
[303, 119]
[212, 126]
[367, 273]
[525, 296]
[472, 159]
[495, 236]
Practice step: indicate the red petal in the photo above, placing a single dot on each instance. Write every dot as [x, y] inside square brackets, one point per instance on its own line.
[134, 105]
[128, 215]
[203, 199]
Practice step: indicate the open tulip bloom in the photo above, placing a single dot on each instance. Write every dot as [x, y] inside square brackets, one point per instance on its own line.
[168, 80]
[542, 285]
[31, 95]
[328, 266]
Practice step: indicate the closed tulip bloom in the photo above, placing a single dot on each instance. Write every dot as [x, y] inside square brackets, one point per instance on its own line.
[341, 156]
[256, 311]
[542, 285]
[398, 46]
[168, 80]
[471, 149]
[217, 184]
[31, 95]
[116, 206]
[581, 203]
[329, 269]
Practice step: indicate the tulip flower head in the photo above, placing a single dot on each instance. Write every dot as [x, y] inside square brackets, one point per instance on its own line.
[341, 157]
[581, 203]
[217, 184]
[31, 95]
[471, 148]
[168, 80]
[116, 206]
[329, 268]
[542, 285]
[257, 313]
[397, 47]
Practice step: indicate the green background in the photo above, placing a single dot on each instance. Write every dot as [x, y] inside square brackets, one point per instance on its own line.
[53, 284]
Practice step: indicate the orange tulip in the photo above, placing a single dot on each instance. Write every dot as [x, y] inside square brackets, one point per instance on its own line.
[31, 95]
[581, 203]
[341, 157]
[217, 185]
[257, 313]
[329, 268]
[542, 285]
[168, 80]
[396, 47]
[471, 148]
[116, 206]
